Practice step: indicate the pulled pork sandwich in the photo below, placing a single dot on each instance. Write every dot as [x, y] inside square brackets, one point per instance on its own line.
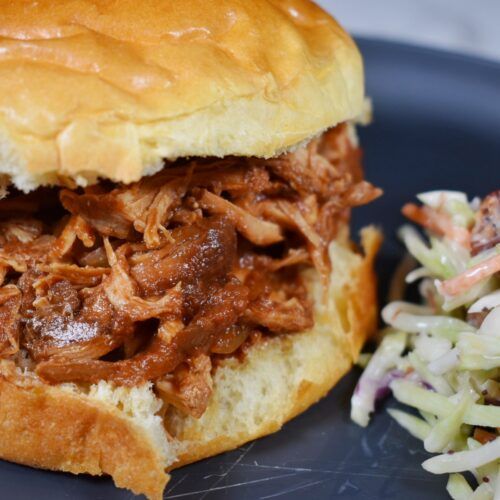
[176, 271]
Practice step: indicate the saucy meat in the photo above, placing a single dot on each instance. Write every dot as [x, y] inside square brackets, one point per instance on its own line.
[152, 281]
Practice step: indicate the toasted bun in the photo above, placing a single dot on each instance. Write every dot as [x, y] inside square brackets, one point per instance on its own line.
[115, 431]
[61, 429]
[109, 89]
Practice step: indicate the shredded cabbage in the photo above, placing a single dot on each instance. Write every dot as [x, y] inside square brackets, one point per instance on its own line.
[415, 426]
[487, 302]
[375, 377]
[406, 317]
[483, 492]
[430, 258]
[427, 400]
[444, 363]
[491, 324]
[458, 487]
[438, 383]
[447, 429]
[441, 197]
[464, 460]
[442, 357]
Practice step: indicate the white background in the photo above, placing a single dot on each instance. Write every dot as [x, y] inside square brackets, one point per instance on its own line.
[471, 26]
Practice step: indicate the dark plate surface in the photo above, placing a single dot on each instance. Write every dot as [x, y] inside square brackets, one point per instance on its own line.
[437, 125]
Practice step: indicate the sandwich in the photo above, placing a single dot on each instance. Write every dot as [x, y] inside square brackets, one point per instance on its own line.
[177, 275]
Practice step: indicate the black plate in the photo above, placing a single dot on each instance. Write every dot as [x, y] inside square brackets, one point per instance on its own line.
[437, 125]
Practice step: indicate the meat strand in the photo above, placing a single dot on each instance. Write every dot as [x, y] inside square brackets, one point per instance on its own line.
[10, 303]
[201, 253]
[189, 388]
[259, 232]
[220, 311]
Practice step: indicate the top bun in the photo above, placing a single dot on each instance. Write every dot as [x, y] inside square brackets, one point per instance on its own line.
[95, 89]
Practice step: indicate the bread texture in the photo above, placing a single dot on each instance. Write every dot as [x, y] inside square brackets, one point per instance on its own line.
[61, 428]
[120, 431]
[110, 89]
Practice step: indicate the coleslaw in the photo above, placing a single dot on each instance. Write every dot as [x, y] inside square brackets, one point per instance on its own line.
[442, 357]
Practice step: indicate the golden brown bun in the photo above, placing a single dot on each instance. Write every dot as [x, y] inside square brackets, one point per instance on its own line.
[114, 430]
[108, 89]
[52, 428]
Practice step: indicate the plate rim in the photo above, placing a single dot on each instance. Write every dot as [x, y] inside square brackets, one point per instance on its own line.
[425, 50]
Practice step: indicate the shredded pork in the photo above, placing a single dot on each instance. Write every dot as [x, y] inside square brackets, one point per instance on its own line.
[152, 281]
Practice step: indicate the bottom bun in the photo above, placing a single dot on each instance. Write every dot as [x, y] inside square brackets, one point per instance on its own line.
[284, 375]
[119, 431]
[59, 428]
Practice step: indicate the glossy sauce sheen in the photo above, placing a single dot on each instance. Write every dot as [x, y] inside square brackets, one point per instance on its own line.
[153, 281]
